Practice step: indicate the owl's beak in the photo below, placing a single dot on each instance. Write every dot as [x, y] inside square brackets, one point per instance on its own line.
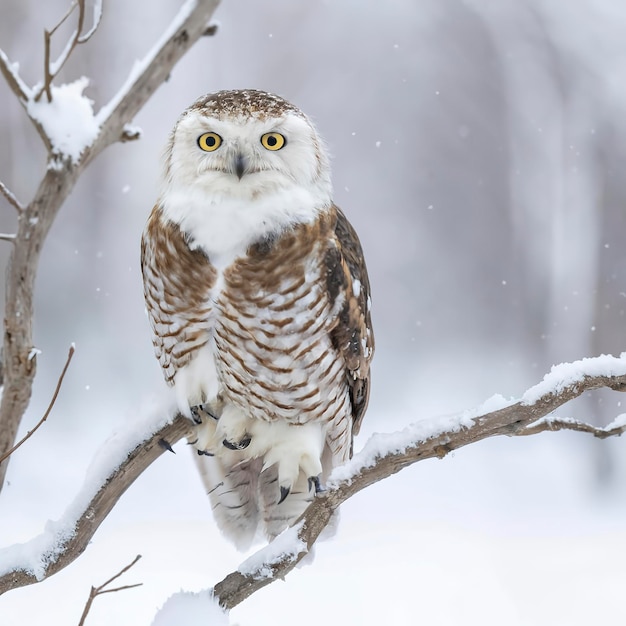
[240, 165]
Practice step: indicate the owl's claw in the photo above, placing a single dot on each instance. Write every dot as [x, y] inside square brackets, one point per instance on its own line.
[166, 445]
[242, 444]
[314, 482]
[195, 414]
[284, 492]
[201, 408]
[204, 453]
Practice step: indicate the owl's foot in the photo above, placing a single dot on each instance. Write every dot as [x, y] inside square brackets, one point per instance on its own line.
[232, 430]
[295, 450]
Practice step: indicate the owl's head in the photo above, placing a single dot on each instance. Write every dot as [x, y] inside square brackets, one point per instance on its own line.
[245, 144]
[241, 165]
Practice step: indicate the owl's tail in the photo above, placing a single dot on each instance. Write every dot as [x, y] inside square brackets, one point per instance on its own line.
[233, 491]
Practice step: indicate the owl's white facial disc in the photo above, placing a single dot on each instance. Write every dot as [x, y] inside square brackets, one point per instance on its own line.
[229, 196]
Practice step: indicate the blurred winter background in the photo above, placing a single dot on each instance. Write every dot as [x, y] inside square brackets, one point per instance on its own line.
[478, 148]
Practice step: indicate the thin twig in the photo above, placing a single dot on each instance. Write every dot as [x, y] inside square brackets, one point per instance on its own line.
[30, 433]
[13, 78]
[10, 237]
[98, 591]
[122, 571]
[97, 16]
[51, 69]
[10, 196]
[562, 423]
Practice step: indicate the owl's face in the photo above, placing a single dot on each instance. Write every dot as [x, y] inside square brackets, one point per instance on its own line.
[241, 165]
[246, 144]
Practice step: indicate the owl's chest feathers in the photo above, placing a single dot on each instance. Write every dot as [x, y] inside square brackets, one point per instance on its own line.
[268, 319]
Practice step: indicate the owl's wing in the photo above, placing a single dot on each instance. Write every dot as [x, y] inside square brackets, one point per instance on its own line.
[352, 335]
[176, 280]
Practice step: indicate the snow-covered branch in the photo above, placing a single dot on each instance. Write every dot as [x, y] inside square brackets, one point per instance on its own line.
[73, 135]
[120, 462]
[387, 454]
[382, 456]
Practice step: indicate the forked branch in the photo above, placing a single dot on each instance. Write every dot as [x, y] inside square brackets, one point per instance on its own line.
[102, 589]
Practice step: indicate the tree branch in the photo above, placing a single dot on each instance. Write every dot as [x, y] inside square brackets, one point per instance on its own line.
[98, 591]
[387, 455]
[382, 456]
[10, 196]
[30, 433]
[35, 220]
[66, 540]
[51, 69]
[11, 75]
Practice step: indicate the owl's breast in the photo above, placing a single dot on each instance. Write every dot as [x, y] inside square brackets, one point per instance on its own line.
[272, 324]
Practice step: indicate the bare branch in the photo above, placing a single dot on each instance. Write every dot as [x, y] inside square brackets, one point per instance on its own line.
[10, 196]
[381, 457]
[51, 69]
[122, 571]
[98, 591]
[30, 433]
[10, 237]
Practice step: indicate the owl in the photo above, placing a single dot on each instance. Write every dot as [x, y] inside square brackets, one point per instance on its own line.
[259, 302]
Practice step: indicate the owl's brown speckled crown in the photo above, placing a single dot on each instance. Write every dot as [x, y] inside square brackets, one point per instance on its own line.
[245, 103]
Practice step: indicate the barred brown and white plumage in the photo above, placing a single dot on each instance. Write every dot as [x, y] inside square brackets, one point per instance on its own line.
[259, 301]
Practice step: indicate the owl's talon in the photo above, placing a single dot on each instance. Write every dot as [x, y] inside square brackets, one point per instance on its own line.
[166, 445]
[204, 453]
[206, 410]
[195, 414]
[240, 445]
[201, 409]
[314, 482]
[284, 492]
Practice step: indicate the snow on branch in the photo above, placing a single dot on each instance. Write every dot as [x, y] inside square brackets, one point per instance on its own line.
[121, 460]
[387, 454]
[382, 456]
[73, 135]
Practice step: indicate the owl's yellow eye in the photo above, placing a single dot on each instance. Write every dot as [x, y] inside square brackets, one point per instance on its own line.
[209, 142]
[273, 141]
